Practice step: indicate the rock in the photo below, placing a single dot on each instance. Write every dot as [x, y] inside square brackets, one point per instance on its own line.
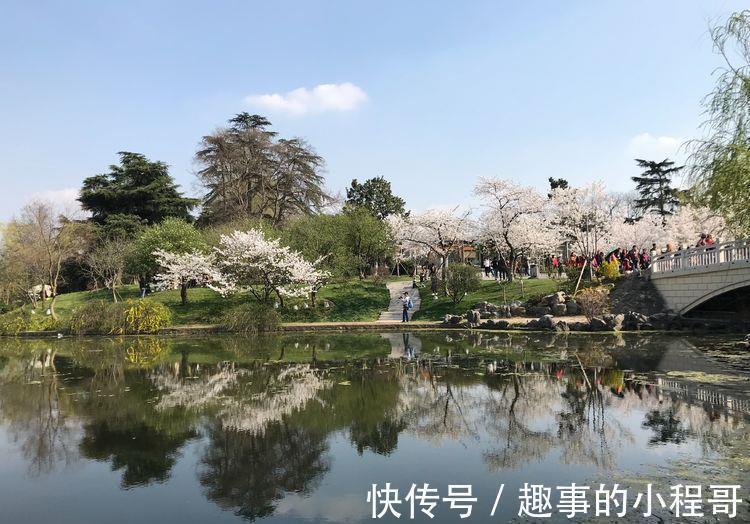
[562, 326]
[517, 311]
[496, 324]
[559, 310]
[614, 322]
[634, 320]
[503, 311]
[452, 319]
[516, 303]
[553, 299]
[474, 317]
[571, 307]
[546, 322]
[533, 324]
[539, 311]
[578, 326]
[598, 324]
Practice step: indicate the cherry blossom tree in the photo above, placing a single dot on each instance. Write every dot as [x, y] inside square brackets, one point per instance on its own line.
[249, 261]
[514, 218]
[583, 218]
[686, 225]
[436, 231]
[179, 270]
[640, 233]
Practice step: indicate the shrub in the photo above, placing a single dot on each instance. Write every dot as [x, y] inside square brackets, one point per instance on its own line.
[108, 318]
[609, 270]
[16, 322]
[573, 272]
[461, 279]
[593, 301]
[13, 324]
[146, 316]
[250, 319]
[96, 317]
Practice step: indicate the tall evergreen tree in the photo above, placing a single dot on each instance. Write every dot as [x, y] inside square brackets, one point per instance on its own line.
[137, 191]
[249, 173]
[556, 183]
[376, 196]
[654, 186]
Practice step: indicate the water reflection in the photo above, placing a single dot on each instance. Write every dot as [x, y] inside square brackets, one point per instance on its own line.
[270, 419]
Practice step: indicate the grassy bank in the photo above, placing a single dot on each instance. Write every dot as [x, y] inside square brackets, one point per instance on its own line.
[349, 302]
[490, 291]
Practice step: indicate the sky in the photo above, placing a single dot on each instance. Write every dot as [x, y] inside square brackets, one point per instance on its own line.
[429, 94]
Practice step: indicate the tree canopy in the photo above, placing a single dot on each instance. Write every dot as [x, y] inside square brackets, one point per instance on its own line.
[376, 196]
[249, 173]
[720, 161]
[135, 192]
[654, 186]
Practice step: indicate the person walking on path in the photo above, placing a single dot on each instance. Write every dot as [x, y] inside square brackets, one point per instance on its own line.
[406, 305]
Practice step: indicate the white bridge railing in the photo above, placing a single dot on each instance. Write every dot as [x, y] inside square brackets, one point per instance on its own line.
[724, 254]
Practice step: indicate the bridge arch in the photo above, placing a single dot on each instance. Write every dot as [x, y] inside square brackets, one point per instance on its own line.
[713, 294]
[692, 277]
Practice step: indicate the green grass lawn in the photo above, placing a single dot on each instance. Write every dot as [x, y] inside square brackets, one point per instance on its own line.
[350, 301]
[490, 291]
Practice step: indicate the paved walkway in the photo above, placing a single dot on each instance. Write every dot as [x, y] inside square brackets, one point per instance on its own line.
[394, 308]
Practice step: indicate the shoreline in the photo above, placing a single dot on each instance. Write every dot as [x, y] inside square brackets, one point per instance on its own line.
[375, 326]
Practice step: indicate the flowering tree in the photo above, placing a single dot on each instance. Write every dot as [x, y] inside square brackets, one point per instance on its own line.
[247, 260]
[682, 228]
[640, 233]
[583, 217]
[178, 270]
[436, 231]
[686, 225]
[514, 218]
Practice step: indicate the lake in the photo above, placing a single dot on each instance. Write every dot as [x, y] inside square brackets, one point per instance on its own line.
[298, 428]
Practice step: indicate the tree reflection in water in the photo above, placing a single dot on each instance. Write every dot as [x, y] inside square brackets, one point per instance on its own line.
[249, 472]
[262, 417]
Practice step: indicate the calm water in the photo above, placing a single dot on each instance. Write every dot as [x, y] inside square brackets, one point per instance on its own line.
[298, 428]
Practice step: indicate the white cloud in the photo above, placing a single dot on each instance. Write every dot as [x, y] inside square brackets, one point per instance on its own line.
[301, 101]
[650, 147]
[65, 200]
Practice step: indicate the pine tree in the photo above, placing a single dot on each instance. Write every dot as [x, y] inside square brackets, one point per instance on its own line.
[655, 187]
[136, 192]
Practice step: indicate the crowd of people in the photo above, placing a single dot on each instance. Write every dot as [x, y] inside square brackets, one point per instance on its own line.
[501, 268]
[627, 260]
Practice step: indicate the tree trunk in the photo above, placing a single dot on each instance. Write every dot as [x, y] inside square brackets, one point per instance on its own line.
[183, 293]
[52, 307]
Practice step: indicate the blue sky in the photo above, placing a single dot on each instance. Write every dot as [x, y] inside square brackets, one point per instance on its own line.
[429, 94]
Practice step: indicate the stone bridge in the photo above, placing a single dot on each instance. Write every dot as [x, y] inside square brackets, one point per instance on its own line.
[690, 277]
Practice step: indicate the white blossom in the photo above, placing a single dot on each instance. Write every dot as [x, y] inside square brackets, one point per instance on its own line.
[583, 217]
[687, 224]
[515, 218]
[247, 259]
[181, 269]
[436, 231]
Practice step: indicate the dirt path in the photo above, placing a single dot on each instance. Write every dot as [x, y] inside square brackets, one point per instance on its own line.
[393, 314]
